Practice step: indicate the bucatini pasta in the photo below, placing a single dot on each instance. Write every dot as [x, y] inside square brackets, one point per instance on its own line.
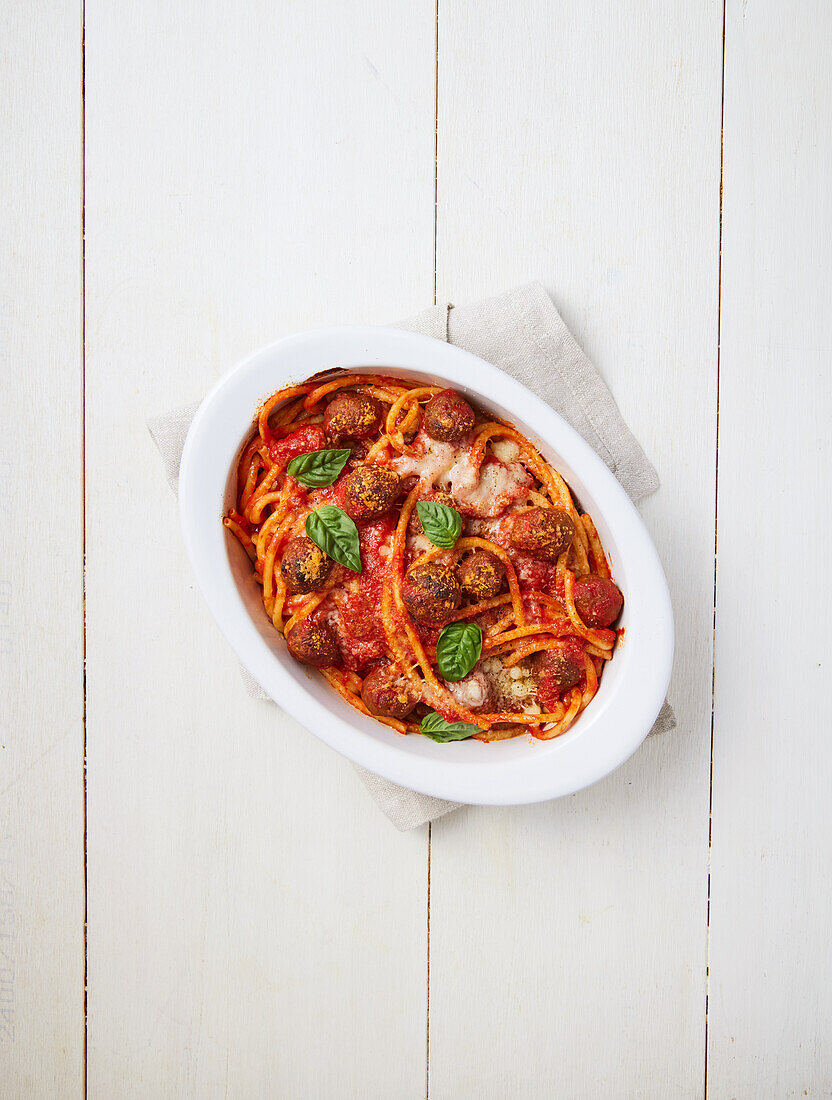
[425, 558]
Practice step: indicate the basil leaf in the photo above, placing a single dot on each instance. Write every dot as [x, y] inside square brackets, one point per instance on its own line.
[458, 650]
[336, 534]
[443, 525]
[436, 728]
[318, 468]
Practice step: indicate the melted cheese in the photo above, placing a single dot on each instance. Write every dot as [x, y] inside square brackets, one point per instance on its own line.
[512, 685]
[428, 458]
[386, 548]
[483, 490]
[498, 485]
[472, 692]
[505, 449]
[419, 544]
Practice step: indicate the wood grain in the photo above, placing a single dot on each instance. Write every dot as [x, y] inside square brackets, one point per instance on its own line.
[770, 1003]
[256, 927]
[568, 940]
[41, 590]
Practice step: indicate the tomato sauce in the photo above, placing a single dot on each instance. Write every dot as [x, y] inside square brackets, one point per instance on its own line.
[332, 494]
[361, 636]
[536, 576]
[308, 438]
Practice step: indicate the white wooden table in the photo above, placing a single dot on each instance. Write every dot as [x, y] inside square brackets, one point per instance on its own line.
[254, 926]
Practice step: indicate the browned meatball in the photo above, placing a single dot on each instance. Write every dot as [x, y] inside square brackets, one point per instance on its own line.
[313, 643]
[481, 575]
[305, 567]
[352, 416]
[431, 592]
[358, 451]
[448, 417]
[542, 533]
[388, 693]
[558, 670]
[563, 665]
[370, 491]
[598, 600]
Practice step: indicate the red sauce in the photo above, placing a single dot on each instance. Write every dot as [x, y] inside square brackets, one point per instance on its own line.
[332, 494]
[360, 631]
[296, 497]
[539, 612]
[536, 576]
[428, 634]
[308, 438]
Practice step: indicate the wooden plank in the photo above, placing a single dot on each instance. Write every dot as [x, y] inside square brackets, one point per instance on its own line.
[770, 1001]
[580, 144]
[256, 927]
[41, 579]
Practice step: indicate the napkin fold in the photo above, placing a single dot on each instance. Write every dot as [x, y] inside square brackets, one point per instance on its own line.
[523, 334]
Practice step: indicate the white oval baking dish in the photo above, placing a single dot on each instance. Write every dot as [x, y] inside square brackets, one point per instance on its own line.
[501, 773]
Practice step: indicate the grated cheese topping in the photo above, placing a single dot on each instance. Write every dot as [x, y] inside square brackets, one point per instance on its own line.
[484, 490]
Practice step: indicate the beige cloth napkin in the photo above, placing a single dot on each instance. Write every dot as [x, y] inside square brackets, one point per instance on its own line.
[523, 334]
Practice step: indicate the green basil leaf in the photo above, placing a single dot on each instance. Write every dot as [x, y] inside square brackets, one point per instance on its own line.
[436, 728]
[318, 468]
[443, 525]
[336, 534]
[458, 649]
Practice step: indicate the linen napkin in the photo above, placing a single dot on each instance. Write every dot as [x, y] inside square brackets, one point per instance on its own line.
[523, 334]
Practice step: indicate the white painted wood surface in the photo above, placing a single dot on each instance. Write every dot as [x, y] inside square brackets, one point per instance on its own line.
[584, 949]
[256, 928]
[770, 1004]
[41, 590]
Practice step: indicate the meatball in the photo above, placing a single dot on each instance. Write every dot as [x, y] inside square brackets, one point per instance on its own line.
[352, 416]
[481, 575]
[562, 666]
[305, 567]
[598, 600]
[370, 491]
[558, 670]
[358, 451]
[542, 533]
[431, 592]
[313, 643]
[447, 417]
[387, 693]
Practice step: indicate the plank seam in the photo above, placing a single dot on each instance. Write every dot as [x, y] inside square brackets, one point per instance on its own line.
[84, 511]
[435, 254]
[716, 540]
[435, 151]
[427, 1001]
